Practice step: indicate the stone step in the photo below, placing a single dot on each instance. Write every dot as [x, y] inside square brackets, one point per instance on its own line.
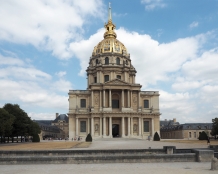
[81, 152]
[71, 159]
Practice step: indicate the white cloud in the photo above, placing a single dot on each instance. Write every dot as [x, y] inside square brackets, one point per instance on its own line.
[23, 84]
[61, 73]
[42, 116]
[193, 25]
[152, 4]
[49, 25]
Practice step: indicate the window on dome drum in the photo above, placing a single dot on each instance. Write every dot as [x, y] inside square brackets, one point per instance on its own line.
[115, 103]
[146, 103]
[118, 61]
[106, 61]
[118, 77]
[106, 78]
[82, 126]
[146, 126]
[83, 103]
[96, 61]
[95, 79]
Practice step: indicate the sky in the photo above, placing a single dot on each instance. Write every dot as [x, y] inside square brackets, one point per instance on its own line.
[45, 48]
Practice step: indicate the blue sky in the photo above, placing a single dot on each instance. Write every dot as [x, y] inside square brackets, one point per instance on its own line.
[45, 47]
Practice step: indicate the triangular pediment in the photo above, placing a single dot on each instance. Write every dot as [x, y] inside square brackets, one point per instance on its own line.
[116, 82]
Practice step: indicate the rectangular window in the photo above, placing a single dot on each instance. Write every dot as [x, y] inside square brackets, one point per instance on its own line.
[115, 103]
[82, 126]
[83, 103]
[118, 77]
[146, 104]
[195, 135]
[95, 79]
[146, 126]
[190, 134]
[106, 78]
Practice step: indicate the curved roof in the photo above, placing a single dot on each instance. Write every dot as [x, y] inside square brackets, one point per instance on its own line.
[63, 117]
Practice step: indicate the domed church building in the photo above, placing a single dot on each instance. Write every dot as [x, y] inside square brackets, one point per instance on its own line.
[113, 104]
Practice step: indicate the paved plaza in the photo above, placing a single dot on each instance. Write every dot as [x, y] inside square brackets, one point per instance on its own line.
[122, 143]
[121, 168]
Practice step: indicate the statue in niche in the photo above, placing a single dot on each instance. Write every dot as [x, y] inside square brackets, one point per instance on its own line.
[96, 100]
[134, 100]
[135, 127]
[152, 109]
[96, 127]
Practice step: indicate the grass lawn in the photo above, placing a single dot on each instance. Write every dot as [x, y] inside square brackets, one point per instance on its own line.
[212, 142]
[40, 146]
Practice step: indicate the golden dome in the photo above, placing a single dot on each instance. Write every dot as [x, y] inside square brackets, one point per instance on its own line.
[110, 44]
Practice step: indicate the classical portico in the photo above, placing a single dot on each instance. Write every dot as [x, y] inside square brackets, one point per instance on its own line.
[113, 104]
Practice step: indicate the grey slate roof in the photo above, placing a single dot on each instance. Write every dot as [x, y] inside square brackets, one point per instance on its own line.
[62, 117]
[188, 126]
[49, 128]
[166, 123]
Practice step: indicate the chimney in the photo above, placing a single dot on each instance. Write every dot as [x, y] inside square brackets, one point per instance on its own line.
[57, 115]
[174, 120]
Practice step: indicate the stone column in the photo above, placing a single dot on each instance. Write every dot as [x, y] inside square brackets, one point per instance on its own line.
[92, 126]
[100, 126]
[103, 98]
[77, 127]
[131, 129]
[88, 125]
[131, 99]
[123, 127]
[92, 99]
[133, 79]
[128, 99]
[109, 98]
[152, 128]
[76, 101]
[110, 127]
[104, 126]
[139, 124]
[142, 128]
[138, 99]
[128, 126]
[100, 100]
[122, 98]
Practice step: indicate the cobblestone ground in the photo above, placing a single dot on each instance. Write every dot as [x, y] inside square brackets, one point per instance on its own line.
[120, 168]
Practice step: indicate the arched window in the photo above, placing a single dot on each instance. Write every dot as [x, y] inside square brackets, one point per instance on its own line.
[106, 78]
[118, 77]
[146, 103]
[118, 61]
[106, 61]
[96, 61]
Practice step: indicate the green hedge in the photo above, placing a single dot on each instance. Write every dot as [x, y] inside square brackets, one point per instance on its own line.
[36, 138]
[89, 138]
[203, 136]
[156, 137]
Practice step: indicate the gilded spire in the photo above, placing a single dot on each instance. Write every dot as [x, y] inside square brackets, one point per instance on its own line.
[109, 26]
[109, 13]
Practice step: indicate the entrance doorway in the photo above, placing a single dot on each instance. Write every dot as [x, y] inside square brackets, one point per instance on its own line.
[115, 130]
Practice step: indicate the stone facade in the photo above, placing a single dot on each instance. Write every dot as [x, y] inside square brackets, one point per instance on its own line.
[113, 104]
[62, 122]
[189, 131]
